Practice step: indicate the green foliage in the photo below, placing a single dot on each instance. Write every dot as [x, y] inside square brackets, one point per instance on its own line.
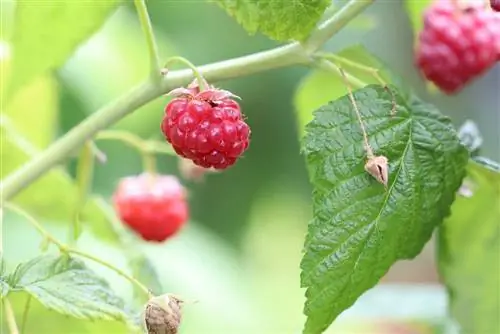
[415, 10]
[4, 284]
[469, 248]
[360, 230]
[55, 186]
[68, 22]
[281, 20]
[66, 285]
[321, 86]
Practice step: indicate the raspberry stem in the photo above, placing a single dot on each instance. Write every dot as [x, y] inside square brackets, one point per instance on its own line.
[368, 148]
[147, 28]
[202, 83]
[283, 56]
[66, 249]
[25, 314]
[10, 317]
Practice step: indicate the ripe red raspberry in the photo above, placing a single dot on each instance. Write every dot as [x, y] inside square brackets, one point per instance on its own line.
[457, 44]
[495, 5]
[206, 127]
[154, 206]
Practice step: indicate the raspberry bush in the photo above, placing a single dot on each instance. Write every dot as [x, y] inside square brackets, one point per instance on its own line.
[107, 227]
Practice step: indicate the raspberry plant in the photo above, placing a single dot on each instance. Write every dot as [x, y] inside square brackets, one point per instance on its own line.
[387, 168]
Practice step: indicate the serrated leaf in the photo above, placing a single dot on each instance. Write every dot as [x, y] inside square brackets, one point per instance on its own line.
[66, 285]
[321, 86]
[67, 22]
[280, 20]
[415, 10]
[469, 248]
[359, 229]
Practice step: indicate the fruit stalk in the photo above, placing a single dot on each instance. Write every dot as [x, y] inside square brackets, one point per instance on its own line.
[291, 54]
[147, 28]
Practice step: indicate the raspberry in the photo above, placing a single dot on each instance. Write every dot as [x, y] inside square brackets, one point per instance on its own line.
[495, 5]
[206, 127]
[154, 206]
[457, 44]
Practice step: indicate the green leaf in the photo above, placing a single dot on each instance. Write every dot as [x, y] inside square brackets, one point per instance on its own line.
[415, 10]
[281, 20]
[66, 285]
[359, 229]
[469, 248]
[321, 86]
[68, 23]
[55, 195]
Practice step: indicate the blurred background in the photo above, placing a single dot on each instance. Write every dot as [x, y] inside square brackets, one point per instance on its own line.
[239, 256]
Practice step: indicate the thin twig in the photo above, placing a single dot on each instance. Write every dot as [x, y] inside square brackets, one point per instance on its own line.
[147, 28]
[66, 249]
[368, 148]
[10, 317]
[25, 314]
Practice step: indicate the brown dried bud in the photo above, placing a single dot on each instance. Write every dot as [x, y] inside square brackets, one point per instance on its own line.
[163, 314]
[378, 168]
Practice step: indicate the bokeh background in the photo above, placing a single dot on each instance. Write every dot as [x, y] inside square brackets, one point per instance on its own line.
[239, 256]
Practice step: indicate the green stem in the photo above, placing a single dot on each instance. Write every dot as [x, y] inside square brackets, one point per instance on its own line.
[338, 20]
[331, 67]
[147, 28]
[25, 314]
[110, 266]
[370, 70]
[201, 81]
[291, 54]
[10, 317]
[66, 249]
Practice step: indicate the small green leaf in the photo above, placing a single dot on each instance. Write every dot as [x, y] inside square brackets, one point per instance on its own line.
[67, 22]
[281, 20]
[469, 248]
[359, 229]
[415, 10]
[66, 285]
[321, 86]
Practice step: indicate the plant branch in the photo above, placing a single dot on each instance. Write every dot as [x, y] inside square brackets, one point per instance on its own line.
[331, 67]
[25, 314]
[291, 54]
[10, 317]
[147, 28]
[66, 249]
[338, 20]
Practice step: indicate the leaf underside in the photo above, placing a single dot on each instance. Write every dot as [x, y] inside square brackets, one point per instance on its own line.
[469, 252]
[281, 20]
[359, 230]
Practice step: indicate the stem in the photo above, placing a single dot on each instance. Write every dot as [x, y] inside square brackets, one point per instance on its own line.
[339, 19]
[25, 314]
[10, 317]
[65, 249]
[110, 266]
[291, 54]
[147, 28]
[329, 66]
[201, 81]
[368, 148]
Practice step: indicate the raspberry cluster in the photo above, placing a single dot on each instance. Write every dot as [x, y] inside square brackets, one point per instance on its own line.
[458, 43]
[154, 206]
[206, 127]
